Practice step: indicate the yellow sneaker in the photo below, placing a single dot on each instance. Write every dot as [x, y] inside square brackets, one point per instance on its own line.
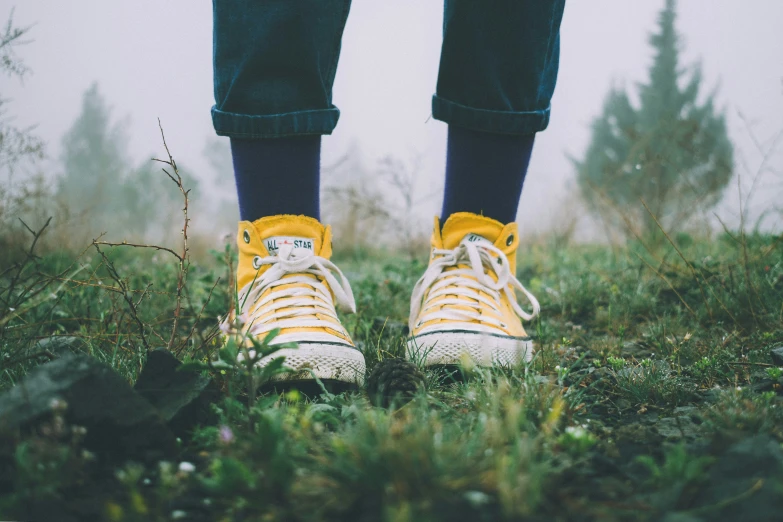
[465, 303]
[286, 281]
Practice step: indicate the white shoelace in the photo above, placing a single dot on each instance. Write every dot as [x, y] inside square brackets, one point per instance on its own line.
[467, 285]
[309, 296]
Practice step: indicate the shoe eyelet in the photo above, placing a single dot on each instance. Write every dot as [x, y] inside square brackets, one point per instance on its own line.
[246, 236]
[257, 262]
[510, 240]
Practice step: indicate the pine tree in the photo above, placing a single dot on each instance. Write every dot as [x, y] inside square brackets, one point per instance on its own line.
[100, 184]
[671, 152]
[16, 143]
[94, 159]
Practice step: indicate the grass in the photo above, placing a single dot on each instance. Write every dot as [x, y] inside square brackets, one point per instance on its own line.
[626, 334]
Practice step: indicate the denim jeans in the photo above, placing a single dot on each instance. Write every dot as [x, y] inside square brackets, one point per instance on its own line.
[275, 62]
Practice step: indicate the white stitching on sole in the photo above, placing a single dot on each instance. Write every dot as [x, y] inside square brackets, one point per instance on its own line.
[484, 350]
[326, 362]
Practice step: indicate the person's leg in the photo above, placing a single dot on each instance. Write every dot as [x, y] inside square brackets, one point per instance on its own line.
[497, 74]
[274, 66]
[484, 173]
[275, 63]
[277, 176]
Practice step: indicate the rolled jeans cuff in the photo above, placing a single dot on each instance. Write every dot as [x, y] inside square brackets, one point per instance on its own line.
[300, 123]
[483, 120]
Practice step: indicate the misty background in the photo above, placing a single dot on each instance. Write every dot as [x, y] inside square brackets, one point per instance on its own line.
[152, 60]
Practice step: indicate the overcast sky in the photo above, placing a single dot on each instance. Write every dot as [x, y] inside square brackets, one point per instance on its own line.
[153, 59]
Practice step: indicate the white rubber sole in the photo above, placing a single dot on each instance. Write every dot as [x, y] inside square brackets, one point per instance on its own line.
[326, 361]
[450, 348]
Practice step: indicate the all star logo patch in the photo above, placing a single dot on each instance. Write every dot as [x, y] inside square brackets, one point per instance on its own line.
[475, 238]
[274, 244]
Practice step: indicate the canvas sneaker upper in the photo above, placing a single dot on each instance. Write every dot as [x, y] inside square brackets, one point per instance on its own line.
[470, 284]
[285, 280]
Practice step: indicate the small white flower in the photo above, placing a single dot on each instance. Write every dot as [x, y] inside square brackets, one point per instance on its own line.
[178, 514]
[557, 368]
[12, 309]
[58, 404]
[186, 467]
[577, 432]
[739, 388]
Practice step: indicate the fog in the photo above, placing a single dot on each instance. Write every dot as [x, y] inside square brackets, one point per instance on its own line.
[152, 60]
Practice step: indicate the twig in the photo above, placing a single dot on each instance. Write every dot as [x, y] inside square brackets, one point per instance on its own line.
[184, 262]
[126, 295]
[746, 261]
[125, 243]
[193, 329]
[743, 363]
[43, 353]
[668, 283]
[692, 269]
[679, 252]
[29, 254]
[731, 500]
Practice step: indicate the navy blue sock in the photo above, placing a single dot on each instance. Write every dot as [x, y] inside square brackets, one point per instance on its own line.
[278, 176]
[485, 172]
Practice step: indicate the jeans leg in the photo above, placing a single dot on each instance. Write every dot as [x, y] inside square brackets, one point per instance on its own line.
[274, 66]
[498, 64]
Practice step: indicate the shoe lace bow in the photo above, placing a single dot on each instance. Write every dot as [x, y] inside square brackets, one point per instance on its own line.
[467, 287]
[298, 294]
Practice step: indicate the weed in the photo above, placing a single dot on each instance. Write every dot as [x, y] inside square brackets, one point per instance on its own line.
[617, 363]
[651, 383]
[678, 467]
[738, 413]
[774, 373]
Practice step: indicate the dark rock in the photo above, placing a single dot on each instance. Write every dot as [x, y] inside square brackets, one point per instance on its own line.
[777, 355]
[394, 379]
[649, 417]
[182, 398]
[600, 377]
[636, 439]
[686, 410]
[746, 482]
[635, 350]
[635, 372]
[712, 395]
[676, 428]
[119, 422]
[763, 385]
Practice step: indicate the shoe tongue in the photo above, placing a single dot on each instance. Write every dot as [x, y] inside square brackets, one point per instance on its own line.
[302, 234]
[464, 226]
[300, 246]
[476, 239]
